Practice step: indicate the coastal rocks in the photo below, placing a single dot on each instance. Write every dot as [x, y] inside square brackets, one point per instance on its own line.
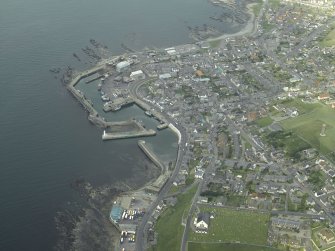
[86, 226]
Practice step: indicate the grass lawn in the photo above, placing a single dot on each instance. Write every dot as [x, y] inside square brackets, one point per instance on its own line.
[263, 122]
[329, 40]
[169, 226]
[193, 246]
[308, 126]
[256, 8]
[274, 4]
[231, 225]
[301, 106]
[214, 43]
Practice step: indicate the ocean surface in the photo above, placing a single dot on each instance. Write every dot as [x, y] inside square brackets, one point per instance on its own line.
[46, 140]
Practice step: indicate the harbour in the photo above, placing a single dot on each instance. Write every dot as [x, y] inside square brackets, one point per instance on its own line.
[58, 144]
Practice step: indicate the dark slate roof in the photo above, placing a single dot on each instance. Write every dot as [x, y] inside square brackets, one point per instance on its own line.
[203, 216]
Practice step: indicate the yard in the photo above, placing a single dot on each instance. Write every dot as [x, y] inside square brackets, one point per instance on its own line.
[230, 225]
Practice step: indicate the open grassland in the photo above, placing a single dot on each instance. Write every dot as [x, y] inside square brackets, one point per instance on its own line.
[308, 127]
[169, 226]
[329, 40]
[231, 225]
[256, 8]
[193, 246]
[263, 122]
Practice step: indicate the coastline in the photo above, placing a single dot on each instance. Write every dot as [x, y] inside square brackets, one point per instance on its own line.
[249, 29]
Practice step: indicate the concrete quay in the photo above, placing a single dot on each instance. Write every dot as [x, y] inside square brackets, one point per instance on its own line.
[151, 155]
[129, 134]
[157, 185]
[117, 104]
[78, 94]
[162, 126]
[154, 113]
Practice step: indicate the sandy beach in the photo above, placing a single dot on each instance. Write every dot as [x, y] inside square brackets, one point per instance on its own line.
[249, 29]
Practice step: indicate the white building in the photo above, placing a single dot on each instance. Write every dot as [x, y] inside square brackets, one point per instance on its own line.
[165, 76]
[201, 223]
[199, 173]
[122, 66]
[137, 75]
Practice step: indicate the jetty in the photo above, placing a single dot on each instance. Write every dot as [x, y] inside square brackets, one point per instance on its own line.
[162, 126]
[126, 129]
[150, 154]
[158, 116]
[78, 94]
[157, 185]
[117, 104]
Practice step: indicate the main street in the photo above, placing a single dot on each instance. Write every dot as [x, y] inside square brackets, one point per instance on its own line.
[143, 227]
[210, 169]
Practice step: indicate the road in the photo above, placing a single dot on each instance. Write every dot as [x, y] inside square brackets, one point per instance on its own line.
[142, 228]
[210, 168]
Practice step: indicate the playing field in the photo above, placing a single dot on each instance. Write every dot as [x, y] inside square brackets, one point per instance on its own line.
[231, 225]
[192, 246]
[308, 126]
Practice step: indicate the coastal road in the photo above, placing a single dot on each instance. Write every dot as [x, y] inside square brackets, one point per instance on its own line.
[142, 228]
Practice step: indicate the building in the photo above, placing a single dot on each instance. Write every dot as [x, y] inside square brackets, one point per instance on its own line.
[199, 73]
[199, 174]
[285, 223]
[165, 76]
[116, 213]
[201, 223]
[122, 66]
[324, 96]
[137, 75]
[326, 234]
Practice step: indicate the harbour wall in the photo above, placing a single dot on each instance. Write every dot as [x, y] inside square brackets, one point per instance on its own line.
[151, 155]
[176, 131]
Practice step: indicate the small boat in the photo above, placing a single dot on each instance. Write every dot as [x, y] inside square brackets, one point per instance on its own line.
[105, 98]
[148, 113]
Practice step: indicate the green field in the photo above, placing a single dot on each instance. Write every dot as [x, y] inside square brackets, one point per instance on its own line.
[274, 4]
[256, 8]
[193, 246]
[308, 127]
[169, 226]
[262, 122]
[231, 225]
[329, 40]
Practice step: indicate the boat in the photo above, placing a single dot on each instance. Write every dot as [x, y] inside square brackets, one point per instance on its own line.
[116, 108]
[105, 98]
[148, 113]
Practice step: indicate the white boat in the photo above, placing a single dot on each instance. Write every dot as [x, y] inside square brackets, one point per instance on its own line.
[105, 98]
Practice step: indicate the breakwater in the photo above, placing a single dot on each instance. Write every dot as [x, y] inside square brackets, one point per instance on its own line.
[151, 155]
[157, 185]
[128, 134]
[78, 94]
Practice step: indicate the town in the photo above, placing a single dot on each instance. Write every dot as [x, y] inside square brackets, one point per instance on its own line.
[255, 119]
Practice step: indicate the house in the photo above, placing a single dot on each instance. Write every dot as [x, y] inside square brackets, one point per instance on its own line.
[137, 75]
[199, 73]
[122, 66]
[324, 96]
[326, 234]
[199, 174]
[201, 223]
[285, 223]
